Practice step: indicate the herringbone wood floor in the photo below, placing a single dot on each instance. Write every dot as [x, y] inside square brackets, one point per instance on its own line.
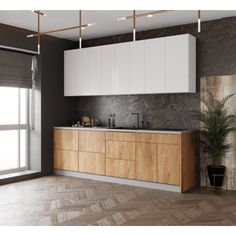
[58, 200]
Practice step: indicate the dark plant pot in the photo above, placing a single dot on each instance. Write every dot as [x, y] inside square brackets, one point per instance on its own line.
[216, 175]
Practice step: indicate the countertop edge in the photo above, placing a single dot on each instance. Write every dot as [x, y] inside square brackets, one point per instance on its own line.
[126, 130]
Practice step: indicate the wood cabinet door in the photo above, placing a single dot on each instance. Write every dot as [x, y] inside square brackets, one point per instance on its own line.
[120, 150]
[92, 141]
[168, 164]
[93, 163]
[66, 139]
[120, 168]
[146, 157]
[158, 138]
[66, 160]
[120, 136]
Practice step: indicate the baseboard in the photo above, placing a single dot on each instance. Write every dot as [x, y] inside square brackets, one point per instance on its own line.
[143, 184]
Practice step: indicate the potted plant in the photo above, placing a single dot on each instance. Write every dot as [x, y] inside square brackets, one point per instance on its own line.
[216, 124]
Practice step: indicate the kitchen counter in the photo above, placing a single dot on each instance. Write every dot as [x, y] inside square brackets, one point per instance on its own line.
[156, 131]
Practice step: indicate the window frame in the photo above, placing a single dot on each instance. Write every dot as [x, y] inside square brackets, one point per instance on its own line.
[18, 127]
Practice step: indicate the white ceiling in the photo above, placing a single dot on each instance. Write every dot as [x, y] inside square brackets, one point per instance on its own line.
[106, 23]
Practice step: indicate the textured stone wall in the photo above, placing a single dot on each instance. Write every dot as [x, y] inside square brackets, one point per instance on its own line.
[216, 55]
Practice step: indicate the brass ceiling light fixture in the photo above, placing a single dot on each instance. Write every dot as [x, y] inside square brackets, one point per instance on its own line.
[134, 26]
[39, 14]
[134, 16]
[80, 27]
[199, 22]
[146, 14]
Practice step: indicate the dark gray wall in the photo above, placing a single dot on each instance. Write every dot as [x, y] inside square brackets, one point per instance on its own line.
[216, 55]
[55, 108]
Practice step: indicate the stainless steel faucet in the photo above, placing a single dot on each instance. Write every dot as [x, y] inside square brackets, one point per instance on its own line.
[137, 114]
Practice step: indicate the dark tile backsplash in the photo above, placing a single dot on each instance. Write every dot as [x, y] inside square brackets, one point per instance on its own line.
[159, 111]
[216, 55]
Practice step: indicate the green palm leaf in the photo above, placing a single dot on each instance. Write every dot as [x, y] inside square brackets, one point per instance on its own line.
[216, 123]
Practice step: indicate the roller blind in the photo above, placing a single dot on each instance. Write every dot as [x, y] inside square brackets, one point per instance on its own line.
[15, 69]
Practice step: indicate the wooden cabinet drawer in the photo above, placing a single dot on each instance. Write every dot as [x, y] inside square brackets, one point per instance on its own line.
[66, 160]
[120, 150]
[66, 139]
[120, 136]
[146, 158]
[158, 138]
[168, 164]
[93, 163]
[92, 141]
[120, 168]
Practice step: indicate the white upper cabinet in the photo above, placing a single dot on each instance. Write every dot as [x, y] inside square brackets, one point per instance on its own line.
[95, 78]
[70, 72]
[155, 65]
[161, 65]
[180, 64]
[121, 69]
[107, 70]
[137, 67]
[83, 72]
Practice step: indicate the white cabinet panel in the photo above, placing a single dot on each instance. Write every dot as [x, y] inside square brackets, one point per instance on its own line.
[70, 72]
[178, 74]
[83, 72]
[107, 69]
[121, 69]
[155, 65]
[95, 81]
[137, 65]
[162, 65]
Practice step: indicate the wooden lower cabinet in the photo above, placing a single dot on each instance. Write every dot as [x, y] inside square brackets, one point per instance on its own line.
[120, 168]
[66, 139]
[66, 160]
[120, 150]
[158, 138]
[168, 164]
[92, 141]
[146, 158]
[93, 163]
[159, 158]
[120, 136]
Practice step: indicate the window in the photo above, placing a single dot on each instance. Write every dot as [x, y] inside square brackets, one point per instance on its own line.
[14, 129]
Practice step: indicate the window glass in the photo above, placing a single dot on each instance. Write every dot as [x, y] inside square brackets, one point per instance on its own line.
[23, 106]
[9, 149]
[23, 153]
[9, 105]
[14, 129]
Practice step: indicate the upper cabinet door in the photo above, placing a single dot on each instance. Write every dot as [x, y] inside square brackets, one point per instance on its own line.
[70, 72]
[121, 69]
[95, 81]
[137, 65]
[162, 65]
[155, 65]
[180, 64]
[83, 72]
[107, 69]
